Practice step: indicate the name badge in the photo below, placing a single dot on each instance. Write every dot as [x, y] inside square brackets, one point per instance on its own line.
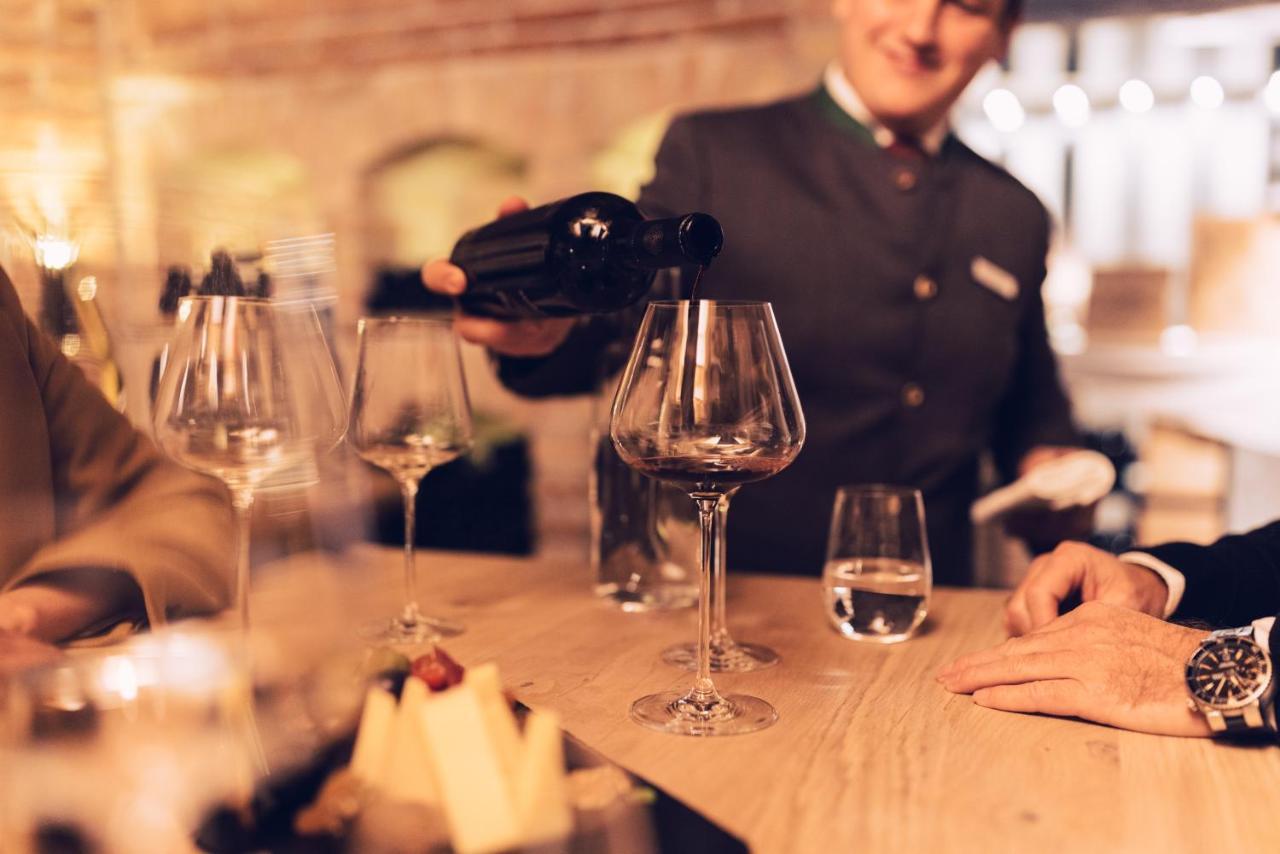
[995, 279]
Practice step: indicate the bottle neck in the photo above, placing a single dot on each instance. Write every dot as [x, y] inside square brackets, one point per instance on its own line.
[694, 239]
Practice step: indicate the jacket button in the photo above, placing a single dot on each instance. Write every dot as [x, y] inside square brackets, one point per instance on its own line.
[925, 288]
[912, 395]
[905, 180]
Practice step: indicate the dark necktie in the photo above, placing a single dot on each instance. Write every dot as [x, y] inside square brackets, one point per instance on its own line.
[906, 147]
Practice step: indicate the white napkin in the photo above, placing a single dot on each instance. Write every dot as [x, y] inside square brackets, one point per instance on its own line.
[1076, 479]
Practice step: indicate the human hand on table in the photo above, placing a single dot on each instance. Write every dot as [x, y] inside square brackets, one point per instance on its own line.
[1101, 662]
[1095, 575]
[535, 337]
[19, 650]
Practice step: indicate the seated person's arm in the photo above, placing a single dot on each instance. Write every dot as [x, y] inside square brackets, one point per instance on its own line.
[1227, 583]
[58, 605]
[134, 531]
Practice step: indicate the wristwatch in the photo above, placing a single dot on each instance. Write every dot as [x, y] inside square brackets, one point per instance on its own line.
[1230, 680]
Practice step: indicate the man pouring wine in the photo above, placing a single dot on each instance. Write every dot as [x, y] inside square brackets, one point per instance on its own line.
[904, 271]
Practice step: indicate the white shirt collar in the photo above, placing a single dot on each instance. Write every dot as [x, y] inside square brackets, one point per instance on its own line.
[846, 97]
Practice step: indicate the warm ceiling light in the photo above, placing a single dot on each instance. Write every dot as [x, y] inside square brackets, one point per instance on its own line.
[55, 253]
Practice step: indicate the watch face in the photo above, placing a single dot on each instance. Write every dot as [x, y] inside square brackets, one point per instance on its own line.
[1228, 672]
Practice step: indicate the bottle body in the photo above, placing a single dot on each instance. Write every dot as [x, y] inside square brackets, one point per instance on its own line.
[587, 254]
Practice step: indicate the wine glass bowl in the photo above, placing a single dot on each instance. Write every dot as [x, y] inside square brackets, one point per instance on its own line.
[248, 389]
[409, 414]
[707, 403]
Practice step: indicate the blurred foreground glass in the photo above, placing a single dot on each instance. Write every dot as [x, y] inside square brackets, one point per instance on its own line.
[125, 750]
[707, 404]
[878, 576]
[248, 388]
[409, 414]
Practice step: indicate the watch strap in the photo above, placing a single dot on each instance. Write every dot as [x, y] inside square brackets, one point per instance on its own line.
[1239, 723]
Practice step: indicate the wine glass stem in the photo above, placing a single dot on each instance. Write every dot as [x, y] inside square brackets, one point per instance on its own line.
[242, 501]
[704, 691]
[719, 627]
[409, 489]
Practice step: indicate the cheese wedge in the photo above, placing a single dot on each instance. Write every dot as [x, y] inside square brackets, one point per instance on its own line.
[474, 792]
[541, 792]
[498, 718]
[373, 738]
[408, 774]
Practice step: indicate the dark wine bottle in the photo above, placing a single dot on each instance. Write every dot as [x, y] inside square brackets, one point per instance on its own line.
[588, 254]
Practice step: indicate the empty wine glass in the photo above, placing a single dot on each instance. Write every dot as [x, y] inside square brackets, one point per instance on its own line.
[248, 388]
[409, 414]
[707, 403]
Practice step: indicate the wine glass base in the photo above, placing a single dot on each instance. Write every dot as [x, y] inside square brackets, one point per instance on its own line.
[726, 657]
[400, 632]
[731, 714]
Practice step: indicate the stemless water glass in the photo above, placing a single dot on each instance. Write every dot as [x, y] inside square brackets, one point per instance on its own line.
[707, 403]
[878, 577]
[409, 414]
[248, 388]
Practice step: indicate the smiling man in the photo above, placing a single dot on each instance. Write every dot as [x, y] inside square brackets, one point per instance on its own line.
[904, 271]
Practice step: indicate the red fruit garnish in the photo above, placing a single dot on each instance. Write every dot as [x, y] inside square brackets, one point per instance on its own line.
[437, 669]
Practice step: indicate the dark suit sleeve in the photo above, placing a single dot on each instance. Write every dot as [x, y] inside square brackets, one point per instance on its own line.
[577, 366]
[1231, 582]
[598, 346]
[1034, 410]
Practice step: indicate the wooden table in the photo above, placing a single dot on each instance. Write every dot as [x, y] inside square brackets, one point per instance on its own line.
[869, 754]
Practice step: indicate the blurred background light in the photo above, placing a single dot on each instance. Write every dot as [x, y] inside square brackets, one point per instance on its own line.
[1206, 93]
[1271, 94]
[1072, 105]
[1136, 96]
[1004, 110]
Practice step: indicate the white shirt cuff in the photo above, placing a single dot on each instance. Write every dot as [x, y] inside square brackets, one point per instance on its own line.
[1174, 580]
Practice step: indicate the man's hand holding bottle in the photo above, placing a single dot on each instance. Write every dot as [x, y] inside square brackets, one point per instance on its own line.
[524, 337]
[523, 278]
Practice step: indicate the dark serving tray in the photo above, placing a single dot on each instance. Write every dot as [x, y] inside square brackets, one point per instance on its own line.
[650, 820]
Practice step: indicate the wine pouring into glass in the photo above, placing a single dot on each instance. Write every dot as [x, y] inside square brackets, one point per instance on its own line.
[707, 403]
[409, 414]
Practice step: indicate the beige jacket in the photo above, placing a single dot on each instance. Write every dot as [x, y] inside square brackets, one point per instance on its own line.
[81, 488]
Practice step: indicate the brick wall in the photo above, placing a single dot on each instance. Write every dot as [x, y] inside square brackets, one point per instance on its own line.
[337, 88]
